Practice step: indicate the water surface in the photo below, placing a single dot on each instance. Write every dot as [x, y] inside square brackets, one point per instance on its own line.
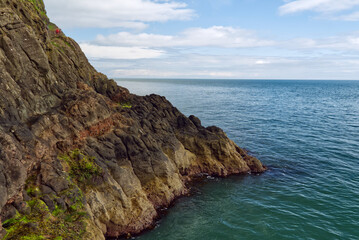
[307, 132]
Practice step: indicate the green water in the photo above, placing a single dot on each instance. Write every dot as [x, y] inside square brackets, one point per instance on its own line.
[306, 132]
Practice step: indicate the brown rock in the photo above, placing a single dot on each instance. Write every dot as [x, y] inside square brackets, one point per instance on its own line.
[53, 101]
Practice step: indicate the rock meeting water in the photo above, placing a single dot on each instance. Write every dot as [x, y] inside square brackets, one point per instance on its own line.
[306, 132]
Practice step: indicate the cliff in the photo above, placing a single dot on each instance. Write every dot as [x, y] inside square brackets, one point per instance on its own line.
[80, 157]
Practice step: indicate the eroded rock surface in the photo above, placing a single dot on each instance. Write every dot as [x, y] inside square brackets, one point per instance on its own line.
[81, 157]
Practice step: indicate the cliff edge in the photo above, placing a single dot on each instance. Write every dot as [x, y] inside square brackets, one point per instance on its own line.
[80, 157]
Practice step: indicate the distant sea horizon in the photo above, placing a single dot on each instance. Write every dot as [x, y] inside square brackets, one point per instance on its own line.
[305, 131]
[229, 79]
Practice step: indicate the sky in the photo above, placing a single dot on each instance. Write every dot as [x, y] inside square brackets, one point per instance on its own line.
[221, 39]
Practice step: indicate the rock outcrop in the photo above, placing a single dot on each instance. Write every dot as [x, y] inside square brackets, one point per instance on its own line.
[80, 157]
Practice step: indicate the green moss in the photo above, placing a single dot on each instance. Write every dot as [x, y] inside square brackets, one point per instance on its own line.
[125, 105]
[39, 6]
[68, 44]
[51, 26]
[40, 223]
[32, 190]
[57, 46]
[34, 237]
[10, 222]
[57, 211]
[82, 167]
[20, 226]
[62, 44]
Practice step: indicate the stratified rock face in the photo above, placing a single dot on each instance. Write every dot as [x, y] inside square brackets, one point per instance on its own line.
[81, 157]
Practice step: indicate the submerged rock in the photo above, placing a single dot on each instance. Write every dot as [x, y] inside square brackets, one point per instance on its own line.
[80, 157]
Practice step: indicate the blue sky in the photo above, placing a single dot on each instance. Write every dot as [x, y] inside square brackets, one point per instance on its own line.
[239, 39]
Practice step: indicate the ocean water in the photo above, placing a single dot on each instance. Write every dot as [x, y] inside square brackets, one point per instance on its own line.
[306, 132]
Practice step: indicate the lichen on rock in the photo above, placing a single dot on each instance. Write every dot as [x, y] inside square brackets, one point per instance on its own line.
[80, 157]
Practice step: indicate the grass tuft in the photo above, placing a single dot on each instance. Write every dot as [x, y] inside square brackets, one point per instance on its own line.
[125, 105]
[82, 167]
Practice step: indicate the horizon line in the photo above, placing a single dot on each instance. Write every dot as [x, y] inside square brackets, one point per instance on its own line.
[238, 79]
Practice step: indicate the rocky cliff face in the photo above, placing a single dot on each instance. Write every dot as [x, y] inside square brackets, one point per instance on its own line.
[80, 157]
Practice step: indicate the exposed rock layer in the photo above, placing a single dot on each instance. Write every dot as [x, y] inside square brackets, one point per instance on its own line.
[53, 101]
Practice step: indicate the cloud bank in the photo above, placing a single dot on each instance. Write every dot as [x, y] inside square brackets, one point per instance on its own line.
[115, 13]
[216, 36]
[345, 10]
[131, 45]
[112, 52]
[318, 5]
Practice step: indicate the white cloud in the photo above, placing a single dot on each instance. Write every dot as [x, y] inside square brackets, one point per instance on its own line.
[323, 6]
[225, 37]
[142, 73]
[261, 62]
[216, 36]
[241, 66]
[338, 43]
[110, 52]
[212, 52]
[125, 45]
[115, 13]
[327, 58]
[131, 25]
[145, 72]
[349, 17]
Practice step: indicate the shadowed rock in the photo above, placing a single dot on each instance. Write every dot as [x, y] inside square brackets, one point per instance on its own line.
[136, 153]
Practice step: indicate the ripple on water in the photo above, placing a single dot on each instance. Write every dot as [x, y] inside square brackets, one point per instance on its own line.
[305, 131]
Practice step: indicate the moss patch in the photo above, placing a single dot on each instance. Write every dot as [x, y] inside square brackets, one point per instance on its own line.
[82, 167]
[39, 6]
[40, 223]
[125, 105]
[51, 26]
[61, 43]
[68, 222]
[67, 43]
[57, 46]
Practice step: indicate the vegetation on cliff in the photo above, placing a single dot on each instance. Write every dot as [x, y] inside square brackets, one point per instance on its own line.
[135, 155]
[44, 216]
[39, 6]
[82, 168]
[55, 216]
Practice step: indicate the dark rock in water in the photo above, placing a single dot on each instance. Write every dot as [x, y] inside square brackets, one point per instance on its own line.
[77, 150]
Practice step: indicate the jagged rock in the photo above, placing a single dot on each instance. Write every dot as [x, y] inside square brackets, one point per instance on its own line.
[137, 153]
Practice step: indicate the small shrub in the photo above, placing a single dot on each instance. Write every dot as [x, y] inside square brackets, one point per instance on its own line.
[39, 223]
[125, 105]
[38, 5]
[51, 26]
[82, 167]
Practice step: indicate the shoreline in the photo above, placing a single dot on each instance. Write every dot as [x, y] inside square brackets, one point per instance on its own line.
[193, 189]
[81, 156]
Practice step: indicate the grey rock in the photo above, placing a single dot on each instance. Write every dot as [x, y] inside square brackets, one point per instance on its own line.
[53, 101]
[46, 190]
[49, 202]
[7, 212]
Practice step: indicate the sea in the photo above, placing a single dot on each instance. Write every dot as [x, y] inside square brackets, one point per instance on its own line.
[305, 132]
